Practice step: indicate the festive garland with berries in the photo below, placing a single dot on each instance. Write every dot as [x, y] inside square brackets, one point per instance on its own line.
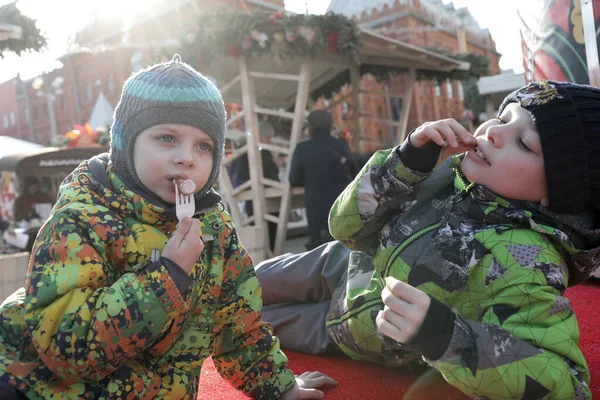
[31, 40]
[283, 35]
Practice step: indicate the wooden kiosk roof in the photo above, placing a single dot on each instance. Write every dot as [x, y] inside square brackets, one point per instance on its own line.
[376, 50]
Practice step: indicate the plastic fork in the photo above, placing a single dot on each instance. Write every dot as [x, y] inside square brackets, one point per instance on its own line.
[185, 205]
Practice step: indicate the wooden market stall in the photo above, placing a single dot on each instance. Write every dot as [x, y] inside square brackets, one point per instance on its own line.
[267, 84]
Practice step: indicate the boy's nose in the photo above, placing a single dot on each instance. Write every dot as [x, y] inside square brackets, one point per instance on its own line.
[493, 136]
[184, 159]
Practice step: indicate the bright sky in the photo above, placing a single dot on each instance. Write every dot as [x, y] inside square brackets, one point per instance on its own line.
[497, 15]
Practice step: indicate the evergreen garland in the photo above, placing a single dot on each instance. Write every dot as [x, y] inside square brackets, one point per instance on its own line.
[32, 39]
[283, 35]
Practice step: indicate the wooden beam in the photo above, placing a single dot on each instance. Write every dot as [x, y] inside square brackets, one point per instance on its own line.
[276, 113]
[234, 119]
[229, 85]
[272, 183]
[235, 155]
[225, 183]
[251, 123]
[298, 122]
[249, 220]
[271, 218]
[270, 75]
[274, 148]
[406, 103]
[241, 188]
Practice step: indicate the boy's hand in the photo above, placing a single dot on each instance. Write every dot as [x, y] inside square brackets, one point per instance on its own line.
[306, 384]
[446, 133]
[404, 311]
[185, 246]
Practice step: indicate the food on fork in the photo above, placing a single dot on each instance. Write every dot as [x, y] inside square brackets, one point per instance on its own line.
[185, 185]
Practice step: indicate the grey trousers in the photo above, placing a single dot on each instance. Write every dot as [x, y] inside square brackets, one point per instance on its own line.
[297, 292]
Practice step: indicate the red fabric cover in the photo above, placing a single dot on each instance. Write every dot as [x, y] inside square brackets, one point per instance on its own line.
[368, 381]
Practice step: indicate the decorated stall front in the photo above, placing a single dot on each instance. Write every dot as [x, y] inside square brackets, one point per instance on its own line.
[270, 63]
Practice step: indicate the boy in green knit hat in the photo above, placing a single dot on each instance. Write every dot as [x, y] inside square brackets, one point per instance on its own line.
[124, 302]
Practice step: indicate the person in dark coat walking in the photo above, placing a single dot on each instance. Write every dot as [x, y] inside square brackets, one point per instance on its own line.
[324, 166]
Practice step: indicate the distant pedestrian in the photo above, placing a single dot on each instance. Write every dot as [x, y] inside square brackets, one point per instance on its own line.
[324, 166]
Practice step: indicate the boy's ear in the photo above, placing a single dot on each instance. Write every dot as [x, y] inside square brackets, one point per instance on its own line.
[544, 202]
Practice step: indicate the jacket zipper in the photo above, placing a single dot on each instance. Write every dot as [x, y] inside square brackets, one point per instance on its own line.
[407, 242]
[393, 257]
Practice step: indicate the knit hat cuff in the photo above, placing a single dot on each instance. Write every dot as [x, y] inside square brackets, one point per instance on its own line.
[564, 156]
[209, 123]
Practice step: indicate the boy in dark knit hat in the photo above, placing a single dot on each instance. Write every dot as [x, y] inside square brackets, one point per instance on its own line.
[461, 259]
[122, 301]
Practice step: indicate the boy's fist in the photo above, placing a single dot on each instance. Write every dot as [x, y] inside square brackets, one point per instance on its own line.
[185, 246]
[451, 136]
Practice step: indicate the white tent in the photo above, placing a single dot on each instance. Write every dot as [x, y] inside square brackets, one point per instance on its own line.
[10, 145]
[102, 114]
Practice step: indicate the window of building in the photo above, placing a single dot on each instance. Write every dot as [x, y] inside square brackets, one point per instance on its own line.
[12, 118]
[110, 83]
[380, 135]
[5, 118]
[449, 88]
[438, 89]
[26, 115]
[461, 91]
[396, 108]
[380, 111]
[88, 91]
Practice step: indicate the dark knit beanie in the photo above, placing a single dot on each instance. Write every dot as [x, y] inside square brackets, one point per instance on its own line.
[567, 118]
[171, 92]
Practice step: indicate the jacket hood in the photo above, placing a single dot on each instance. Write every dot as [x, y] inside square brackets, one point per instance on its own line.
[577, 234]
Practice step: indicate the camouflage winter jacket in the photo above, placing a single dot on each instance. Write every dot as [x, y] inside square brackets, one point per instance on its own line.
[98, 319]
[498, 326]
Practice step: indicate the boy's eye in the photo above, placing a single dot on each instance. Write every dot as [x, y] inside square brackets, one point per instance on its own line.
[523, 146]
[166, 138]
[204, 146]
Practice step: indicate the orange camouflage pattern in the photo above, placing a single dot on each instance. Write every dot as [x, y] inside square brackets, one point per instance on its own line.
[93, 323]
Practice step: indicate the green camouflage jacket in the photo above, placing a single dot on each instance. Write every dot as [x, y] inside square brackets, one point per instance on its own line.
[499, 270]
[99, 319]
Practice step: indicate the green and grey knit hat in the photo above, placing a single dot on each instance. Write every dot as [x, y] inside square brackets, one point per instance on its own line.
[171, 92]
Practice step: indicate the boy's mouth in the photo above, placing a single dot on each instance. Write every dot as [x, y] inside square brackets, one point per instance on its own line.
[481, 155]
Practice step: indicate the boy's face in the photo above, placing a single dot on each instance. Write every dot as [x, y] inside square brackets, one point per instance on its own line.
[167, 151]
[508, 158]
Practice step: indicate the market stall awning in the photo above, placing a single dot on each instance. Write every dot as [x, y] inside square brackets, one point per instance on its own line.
[47, 161]
[10, 145]
[376, 50]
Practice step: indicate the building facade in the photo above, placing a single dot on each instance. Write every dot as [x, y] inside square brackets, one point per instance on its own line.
[48, 106]
[424, 23]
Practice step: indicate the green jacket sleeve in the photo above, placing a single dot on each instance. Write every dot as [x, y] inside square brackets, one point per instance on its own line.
[525, 345]
[246, 353]
[74, 308]
[384, 186]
